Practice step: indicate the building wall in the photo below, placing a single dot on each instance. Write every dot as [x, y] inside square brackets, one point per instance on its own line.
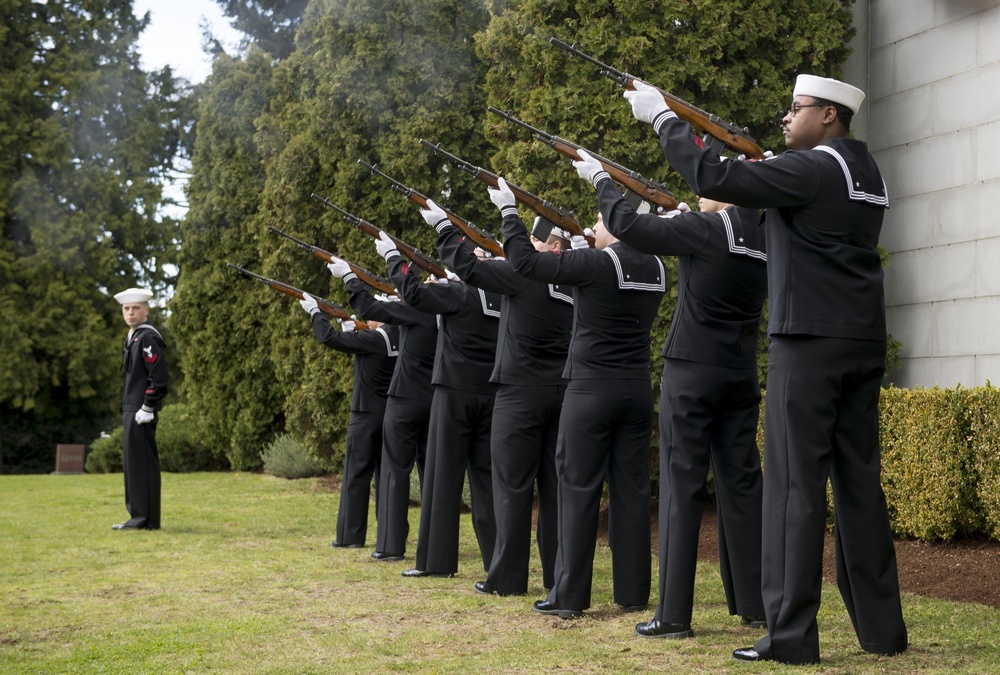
[931, 69]
[932, 73]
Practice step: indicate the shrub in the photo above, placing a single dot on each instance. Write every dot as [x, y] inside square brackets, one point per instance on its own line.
[105, 454]
[176, 443]
[984, 432]
[287, 457]
[925, 461]
[179, 447]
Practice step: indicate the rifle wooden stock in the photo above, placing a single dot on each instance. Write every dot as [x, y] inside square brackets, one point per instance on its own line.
[418, 258]
[483, 239]
[726, 133]
[374, 280]
[555, 215]
[325, 306]
[650, 191]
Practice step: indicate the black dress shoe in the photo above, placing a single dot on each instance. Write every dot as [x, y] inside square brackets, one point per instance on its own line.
[337, 544]
[747, 654]
[482, 588]
[425, 573]
[631, 609]
[546, 607]
[126, 526]
[659, 629]
[754, 621]
[386, 557]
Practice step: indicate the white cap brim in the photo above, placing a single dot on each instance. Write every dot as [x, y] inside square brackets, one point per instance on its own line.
[133, 296]
[830, 90]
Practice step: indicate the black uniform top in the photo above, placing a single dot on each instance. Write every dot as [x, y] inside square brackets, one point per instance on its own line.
[467, 327]
[721, 275]
[145, 366]
[535, 318]
[824, 215]
[375, 354]
[417, 340]
[616, 293]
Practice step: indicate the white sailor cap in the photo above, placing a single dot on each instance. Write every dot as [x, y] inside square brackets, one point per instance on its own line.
[133, 295]
[830, 90]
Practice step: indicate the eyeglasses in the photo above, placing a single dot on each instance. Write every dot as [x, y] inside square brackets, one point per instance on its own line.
[796, 107]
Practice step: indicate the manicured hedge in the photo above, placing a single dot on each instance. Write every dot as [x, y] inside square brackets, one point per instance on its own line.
[927, 463]
[940, 461]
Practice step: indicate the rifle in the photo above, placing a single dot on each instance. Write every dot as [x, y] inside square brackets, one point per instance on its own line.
[723, 133]
[646, 189]
[483, 239]
[419, 258]
[375, 281]
[555, 215]
[327, 307]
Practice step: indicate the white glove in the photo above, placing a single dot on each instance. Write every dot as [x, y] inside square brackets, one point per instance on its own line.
[385, 246]
[435, 216]
[348, 325]
[588, 167]
[339, 268]
[309, 304]
[681, 208]
[143, 416]
[502, 196]
[646, 101]
[578, 241]
[767, 155]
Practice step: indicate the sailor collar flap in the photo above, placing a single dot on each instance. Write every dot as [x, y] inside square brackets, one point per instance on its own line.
[638, 272]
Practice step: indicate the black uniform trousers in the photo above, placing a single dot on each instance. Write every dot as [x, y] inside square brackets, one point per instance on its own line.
[708, 417]
[523, 451]
[605, 430]
[458, 437]
[404, 443]
[820, 421]
[142, 472]
[362, 459]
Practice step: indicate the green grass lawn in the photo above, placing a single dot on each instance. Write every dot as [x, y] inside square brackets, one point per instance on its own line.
[242, 579]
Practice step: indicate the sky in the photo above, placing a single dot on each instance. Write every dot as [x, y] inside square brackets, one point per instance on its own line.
[174, 35]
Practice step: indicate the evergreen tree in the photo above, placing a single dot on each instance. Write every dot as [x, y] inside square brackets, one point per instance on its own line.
[269, 24]
[369, 79]
[86, 138]
[218, 317]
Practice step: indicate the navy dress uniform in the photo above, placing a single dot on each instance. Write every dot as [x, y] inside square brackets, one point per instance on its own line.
[709, 401]
[458, 437]
[825, 201]
[145, 384]
[407, 413]
[606, 423]
[375, 353]
[532, 343]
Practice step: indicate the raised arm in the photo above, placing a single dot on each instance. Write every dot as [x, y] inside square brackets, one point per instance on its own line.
[683, 234]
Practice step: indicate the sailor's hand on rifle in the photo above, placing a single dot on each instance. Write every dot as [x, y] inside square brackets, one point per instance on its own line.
[309, 304]
[647, 102]
[435, 216]
[589, 168]
[681, 208]
[385, 246]
[348, 325]
[578, 241]
[503, 197]
[338, 268]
